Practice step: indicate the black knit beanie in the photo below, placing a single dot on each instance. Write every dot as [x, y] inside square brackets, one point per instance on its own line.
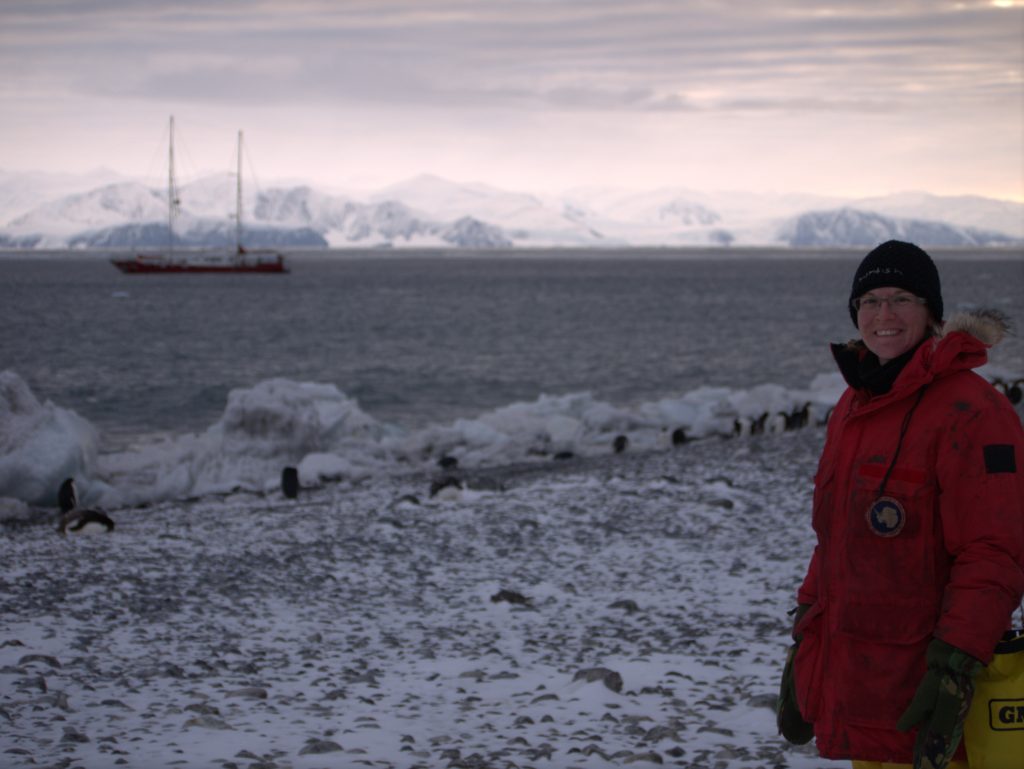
[900, 265]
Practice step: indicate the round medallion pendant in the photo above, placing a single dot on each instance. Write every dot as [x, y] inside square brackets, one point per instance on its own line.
[886, 517]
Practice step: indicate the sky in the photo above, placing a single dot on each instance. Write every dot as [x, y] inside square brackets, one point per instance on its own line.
[840, 97]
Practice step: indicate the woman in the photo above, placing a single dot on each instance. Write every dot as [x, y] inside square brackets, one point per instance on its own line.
[919, 516]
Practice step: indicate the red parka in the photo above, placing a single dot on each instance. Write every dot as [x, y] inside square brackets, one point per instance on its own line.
[941, 556]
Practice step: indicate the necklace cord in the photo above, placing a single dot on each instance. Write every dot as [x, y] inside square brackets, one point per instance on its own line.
[899, 443]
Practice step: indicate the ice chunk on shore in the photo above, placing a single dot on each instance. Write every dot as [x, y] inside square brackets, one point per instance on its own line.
[326, 435]
[275, 423]
[40, 445]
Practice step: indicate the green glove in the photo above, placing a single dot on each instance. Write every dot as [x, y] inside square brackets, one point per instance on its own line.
[787, 715]
[798, 614]
[940, 705]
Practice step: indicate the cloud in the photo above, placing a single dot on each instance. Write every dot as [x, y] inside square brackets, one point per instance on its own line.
[561, 54]
[570, 81]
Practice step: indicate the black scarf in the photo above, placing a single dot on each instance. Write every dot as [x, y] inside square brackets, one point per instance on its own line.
[863, 371]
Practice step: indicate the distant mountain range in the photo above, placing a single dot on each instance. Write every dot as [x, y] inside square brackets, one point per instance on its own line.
[104, 212]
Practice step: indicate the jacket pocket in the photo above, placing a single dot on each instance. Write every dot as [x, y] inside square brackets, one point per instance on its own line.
[890, 537]
[879, 659]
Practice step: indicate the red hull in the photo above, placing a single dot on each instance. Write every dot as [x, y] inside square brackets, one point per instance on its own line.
[154, 264]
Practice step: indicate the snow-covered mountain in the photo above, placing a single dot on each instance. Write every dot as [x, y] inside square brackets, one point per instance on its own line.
[428, 211]
[343, 221]
[970, 211]
[851, 227]
[21, 191]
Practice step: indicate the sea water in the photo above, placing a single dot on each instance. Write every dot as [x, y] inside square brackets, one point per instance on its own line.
[421, 338]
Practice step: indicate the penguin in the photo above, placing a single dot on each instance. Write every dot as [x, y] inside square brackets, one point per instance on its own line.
[67, 496]
[620, 443]
[797, 418]
[776, 423]
[78, 520]
[757, 427]
[1015, 392]
[805, 415]
[290, 482]
[679, 436]
[448, 462]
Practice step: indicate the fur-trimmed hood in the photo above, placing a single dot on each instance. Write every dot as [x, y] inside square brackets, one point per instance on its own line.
[988, 326]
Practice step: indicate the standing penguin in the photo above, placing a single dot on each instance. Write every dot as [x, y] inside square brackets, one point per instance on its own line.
[78, 520]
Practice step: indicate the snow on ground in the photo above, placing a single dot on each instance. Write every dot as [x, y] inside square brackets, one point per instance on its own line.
[643, 620]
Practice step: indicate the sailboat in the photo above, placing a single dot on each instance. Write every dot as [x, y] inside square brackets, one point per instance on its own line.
[239, 259]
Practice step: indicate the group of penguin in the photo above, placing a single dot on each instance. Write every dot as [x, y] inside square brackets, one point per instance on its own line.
[79, 520]
[773, 423]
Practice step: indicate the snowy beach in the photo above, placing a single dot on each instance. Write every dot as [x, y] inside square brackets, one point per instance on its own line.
[644, 621]
[607, 585]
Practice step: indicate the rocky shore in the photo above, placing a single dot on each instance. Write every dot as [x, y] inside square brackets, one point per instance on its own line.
[626, 610]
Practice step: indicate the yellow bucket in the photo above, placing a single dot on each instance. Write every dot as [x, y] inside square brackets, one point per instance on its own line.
[994, 729]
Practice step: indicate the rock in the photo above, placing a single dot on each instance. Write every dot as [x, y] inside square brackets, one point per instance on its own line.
[114, 704]
[511, 596]
[46, 659]
[203, 709]
[73, 735]
[717, 730]
[609, 678]
[249, 693]
[316, 747]
[627, 605]
[592, 750]
[659, 733]
[544, 698]
[207, 722]
[650, 757]
[36, 682]
[56, 700]
[545, 751]
[764, 701]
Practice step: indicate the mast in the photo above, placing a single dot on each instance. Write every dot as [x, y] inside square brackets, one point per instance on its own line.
[172, 190]
[238, 211]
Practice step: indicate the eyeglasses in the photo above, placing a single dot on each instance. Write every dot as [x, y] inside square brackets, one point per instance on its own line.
[896, 302]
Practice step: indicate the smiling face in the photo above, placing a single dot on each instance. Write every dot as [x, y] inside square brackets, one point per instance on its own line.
[889, 332]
